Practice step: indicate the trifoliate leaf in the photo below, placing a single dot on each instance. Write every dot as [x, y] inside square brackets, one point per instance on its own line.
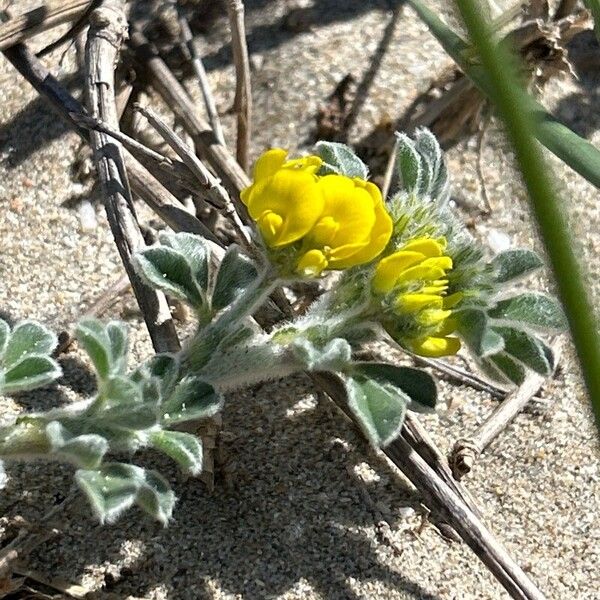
[236, 272]
[418, 385]
[339, 158]
[474, 328]
[115, 487]
[168, 270]
[192, 399]
[526, 349]
[534, 310]
[509, 367]
[25, 339]
[30, 373]
[408, 164]
[196, 252]
[184, 448]
[92, 335]
[515, 263]
[334, 356]
[379, 411]
[85, 451]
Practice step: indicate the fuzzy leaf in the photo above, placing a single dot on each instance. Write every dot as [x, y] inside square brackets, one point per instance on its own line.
[96, 342]
[184, 448]
[30, 373]
[526, 349]
[418, 385]
[115, 487]
[339, 158]
[28, 338]
[431, 153]
[380, 411]
[515, 263]
[235, 274]
[4, 335]
[193, 398]
[168, 270]
[195, 251]
[509, 367]
[408, 164]
[474, 328]
[333, 357]
[119, 345]
[121, 390]
[535, 310]
[85, 451]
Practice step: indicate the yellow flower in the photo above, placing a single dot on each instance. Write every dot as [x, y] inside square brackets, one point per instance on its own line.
[338, 221]
[414, 278]
[284, 199]
[353, 228]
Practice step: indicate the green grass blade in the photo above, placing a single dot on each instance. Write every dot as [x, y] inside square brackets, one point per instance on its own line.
[512, 106]
[575, 151]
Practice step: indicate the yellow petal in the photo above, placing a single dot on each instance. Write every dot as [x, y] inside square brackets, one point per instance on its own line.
[269, 163]
[390, 268]
[312, 263]
[417, 302]
[294, 196]
[380, 233]
[453, 299]
[426, 246]
[433, 316]
[270, 225]
[435, 347]
[420, 272]
[310, 163]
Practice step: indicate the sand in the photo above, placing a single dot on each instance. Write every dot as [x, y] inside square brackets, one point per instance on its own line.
[304, 508]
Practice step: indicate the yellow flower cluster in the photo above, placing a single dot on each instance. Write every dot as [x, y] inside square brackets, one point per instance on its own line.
[333, 221]
[414, 277]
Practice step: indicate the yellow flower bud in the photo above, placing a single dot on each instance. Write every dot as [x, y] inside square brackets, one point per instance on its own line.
[414, 280]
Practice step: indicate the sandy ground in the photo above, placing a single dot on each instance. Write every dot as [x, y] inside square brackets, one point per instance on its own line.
[306, 509]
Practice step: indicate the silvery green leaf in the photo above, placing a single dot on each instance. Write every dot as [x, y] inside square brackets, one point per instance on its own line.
[474, 328]
[196, 252]
[408, 164]
[431, 152]
[4, 335]
[115, 487]
[515, 263]
[28, 338]
[236, 272]
[332, 357]
[156, 497]
[128, 417]
[92, 335]
[85, 451]
[184, 448]
[491, 371]
[509, 367]
[121, 390]
[379, 411]
[339, 158]
[416, 384]
[30, 373]
[193, 398]
[531, 309]
[529, 350]
[119, 345]
[168, 270]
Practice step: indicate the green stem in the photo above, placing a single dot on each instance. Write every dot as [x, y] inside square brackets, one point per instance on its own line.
[512, 104]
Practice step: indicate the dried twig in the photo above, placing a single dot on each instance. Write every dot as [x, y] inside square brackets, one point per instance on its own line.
[108, 27]
[52, 13]
[242, 103]
[217, 194]
[189, 46]
[166, 84]
[466, 450]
